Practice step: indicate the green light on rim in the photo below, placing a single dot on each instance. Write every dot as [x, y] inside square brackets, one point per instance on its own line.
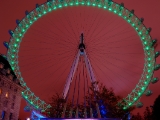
[129, 20]
[20, 34]
[115, 11]
[124, 108]
[17, 39]
[15, 45]
[12, 68]
[143, 37]
[145, 42]
[140, 33]
[142, 88]
[145, 82]
[71, 3]
[60, 6]
[26, 26]
[23, 30]
[149, 70]
[120, 14]
[104, 7]
[77, 3]
[135, 98]
[99, 5]
[44, 12]
[147, 48]
[49, 9]
[88, 3]
[94, 4]
[129, 104]
[110, 9]
[149, 59]
[149, 65]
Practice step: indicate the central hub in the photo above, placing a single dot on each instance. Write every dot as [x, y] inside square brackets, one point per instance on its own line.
[81, 45]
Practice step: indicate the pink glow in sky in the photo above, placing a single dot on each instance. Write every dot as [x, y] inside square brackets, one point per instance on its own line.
[51, 45]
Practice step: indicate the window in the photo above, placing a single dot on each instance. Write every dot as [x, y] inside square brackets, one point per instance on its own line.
[10, 116]
[14, 97]
[5, 103]
[15, 90]
[12, 106]
[3, 115]
[6, 95]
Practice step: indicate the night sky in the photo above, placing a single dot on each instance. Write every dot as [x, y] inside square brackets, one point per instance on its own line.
[50, 46]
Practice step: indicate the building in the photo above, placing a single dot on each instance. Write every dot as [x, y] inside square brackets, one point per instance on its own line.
[10, 92]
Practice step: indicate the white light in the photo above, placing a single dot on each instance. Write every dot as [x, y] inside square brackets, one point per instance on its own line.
[28, 119]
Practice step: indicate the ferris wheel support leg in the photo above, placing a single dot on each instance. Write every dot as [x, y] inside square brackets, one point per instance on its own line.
[91, 113]
[90, 71]
[64, 110]
[92, 78]
[71, 75]
[77, 113]
[70, 114]
[99, 115]
[85, 112]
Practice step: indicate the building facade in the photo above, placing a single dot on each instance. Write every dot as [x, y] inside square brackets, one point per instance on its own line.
[10, 92]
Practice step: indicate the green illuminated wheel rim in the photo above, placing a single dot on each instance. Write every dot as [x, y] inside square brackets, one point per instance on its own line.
[119, 9]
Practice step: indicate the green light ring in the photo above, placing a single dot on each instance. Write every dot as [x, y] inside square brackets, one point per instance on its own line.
[34, 15]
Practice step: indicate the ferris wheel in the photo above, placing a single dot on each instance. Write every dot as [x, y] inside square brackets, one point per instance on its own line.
[99, 40]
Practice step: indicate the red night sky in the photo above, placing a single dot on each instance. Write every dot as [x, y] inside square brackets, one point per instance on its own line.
[50, 45]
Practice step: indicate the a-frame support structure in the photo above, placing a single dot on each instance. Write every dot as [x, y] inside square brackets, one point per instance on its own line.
[81, 52]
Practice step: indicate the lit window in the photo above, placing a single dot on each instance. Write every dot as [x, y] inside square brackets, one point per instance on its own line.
[3, 114]
[6, 95]
[0, 91]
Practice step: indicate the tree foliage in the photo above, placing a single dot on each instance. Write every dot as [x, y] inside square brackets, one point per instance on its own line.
[105, 99]
[110, 101]
[156, 109]
[137, 117]
[148, 114]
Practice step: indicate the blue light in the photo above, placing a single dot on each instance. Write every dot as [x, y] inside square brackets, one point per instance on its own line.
[102, 109]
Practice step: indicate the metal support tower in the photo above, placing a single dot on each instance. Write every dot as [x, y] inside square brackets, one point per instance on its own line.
[81, 52]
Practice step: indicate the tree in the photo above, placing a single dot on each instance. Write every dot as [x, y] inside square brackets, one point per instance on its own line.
[148, 114]
[104, 99]
[57, 104]
[137, 117]
[156, 109]
[109, 99]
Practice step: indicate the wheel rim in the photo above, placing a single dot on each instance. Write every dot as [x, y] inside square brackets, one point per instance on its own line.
[118, 9]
